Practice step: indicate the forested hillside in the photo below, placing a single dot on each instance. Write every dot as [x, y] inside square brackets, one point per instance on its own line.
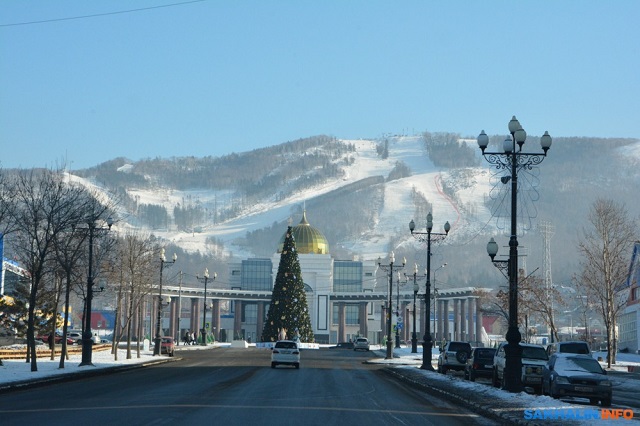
[575, 173]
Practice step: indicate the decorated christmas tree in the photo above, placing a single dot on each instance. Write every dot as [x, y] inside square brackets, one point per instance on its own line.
[288, 312]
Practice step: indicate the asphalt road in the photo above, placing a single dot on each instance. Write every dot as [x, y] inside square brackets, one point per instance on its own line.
[237, 387]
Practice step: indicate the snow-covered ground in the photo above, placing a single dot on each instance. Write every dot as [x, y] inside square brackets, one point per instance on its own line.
[17, 371]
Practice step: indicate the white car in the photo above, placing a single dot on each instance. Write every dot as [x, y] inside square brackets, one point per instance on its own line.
[285, 352]
[361, 344]
[76, 336]
[534, 359]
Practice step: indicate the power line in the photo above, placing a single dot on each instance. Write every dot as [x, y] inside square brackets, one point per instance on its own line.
[142, 9]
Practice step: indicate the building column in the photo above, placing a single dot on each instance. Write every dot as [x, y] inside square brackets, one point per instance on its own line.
[463, 321]
[195, 311]
[478, 322]
[445, 318]
[362, 318]
[215, 318]
[471, 307]
[237, 322]
[173, 315]
[260, 321]
[341, 322]
[456, 319]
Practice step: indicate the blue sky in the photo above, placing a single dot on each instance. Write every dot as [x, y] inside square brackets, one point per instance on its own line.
[208, 78]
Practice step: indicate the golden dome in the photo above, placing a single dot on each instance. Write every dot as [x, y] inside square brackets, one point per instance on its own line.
[309, 239]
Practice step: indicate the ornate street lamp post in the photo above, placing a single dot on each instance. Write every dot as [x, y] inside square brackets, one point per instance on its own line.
[416, 288]
[158, 339]
[389, 268]
[428, 237]
[203, 332]
[512, 160]
[87, 336]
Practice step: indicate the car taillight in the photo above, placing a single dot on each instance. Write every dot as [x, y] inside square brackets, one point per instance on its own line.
[475, 366]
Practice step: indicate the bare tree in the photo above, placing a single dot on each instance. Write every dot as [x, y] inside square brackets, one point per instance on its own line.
[70, 252]
[45, 206]
[534, 301]
[606, 248]
[541, 301]
[7, 204]
[136, 253]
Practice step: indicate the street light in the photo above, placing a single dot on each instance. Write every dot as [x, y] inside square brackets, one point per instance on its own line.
[204, 308]
[87, 337]
[158, 339]
[389, 268]
[435, 299]
[513, 160]
[416, 288]
[428, 237]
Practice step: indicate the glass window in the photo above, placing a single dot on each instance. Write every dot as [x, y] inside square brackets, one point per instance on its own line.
[347, 276]
[250, 313]
[350, 314]
[256, 275]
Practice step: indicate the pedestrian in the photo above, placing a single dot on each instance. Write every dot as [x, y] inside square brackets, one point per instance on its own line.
[186, 339]
[193, 338]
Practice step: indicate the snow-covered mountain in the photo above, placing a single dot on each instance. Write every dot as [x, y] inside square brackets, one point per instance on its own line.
[470, 203]
[393, 218]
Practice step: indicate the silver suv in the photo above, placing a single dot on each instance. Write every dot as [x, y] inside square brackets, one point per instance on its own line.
[534, 359]
[453, 356]
[361, 344]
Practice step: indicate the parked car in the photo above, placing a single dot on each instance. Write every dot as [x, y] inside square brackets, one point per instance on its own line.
[361, 344]
[76, 336]
[453, 356]
[57, 339]
[480, 363]
[96, 339]
[574, 347]
[577, 376]
[534, 360]
[285, 352]
[167, 346]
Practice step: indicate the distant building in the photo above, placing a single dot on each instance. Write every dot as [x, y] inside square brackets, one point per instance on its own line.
[325, 278]
[628, 332]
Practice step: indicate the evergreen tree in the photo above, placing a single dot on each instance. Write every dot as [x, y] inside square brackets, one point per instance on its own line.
[288, 309]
